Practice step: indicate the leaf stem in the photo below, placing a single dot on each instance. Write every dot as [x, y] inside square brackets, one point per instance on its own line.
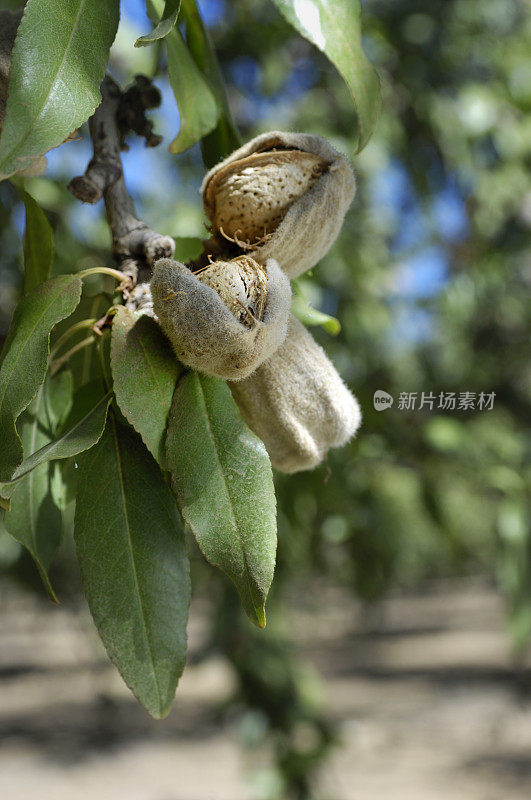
[79, 326]
[56, 365]
[87, 358]
[120, 276]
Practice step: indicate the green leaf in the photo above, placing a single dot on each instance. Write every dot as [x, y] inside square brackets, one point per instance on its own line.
[25, 357]
[222, 478]
[104, 356]
[57, 401]
[225, 137]
[59, 60]
[59, 398]
[134, 567]
[198, 108]
[334, 26]
[85, 398]
[38, 244]
[144, 371]
[84, 364]
[169, 18]
[34, 519]
[303, 310]
[82, 435]
[187, 248]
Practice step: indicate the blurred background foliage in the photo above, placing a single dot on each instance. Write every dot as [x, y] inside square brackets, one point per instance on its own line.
[430, 280]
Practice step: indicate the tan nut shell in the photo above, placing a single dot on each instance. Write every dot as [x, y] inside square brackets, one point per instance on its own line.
[248, 199]
[312, 221]
[297, 403]
[242, 285]
[207, 336]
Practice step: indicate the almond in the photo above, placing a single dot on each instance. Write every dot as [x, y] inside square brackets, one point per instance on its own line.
[282, 195]
[242, 285]
[200, 313]
[248, 199]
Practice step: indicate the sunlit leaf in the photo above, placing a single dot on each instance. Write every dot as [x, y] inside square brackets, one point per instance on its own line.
[144, 370]
[25, 357]
[198, 108]
[134, 567]
[222, 478]
[334, 26]
[169, 18]
[59, 60]
[225, 137]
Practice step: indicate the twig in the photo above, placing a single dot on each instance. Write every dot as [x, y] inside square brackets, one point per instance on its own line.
[134, 244]
[78, 326]
[56, 365]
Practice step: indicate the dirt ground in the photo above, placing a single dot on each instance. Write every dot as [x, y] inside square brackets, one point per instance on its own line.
[429, 702]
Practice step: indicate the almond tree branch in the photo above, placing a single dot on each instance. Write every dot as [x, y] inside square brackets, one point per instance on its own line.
[134, 244]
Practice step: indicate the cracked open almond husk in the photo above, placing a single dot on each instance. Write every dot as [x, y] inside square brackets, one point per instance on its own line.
[225, 319]
[281, 196]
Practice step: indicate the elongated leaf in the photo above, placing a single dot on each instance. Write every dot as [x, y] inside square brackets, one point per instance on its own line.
[25, 357]
[225, 137]
[82, 435]
[222, 478]
[334, 26]
[38, 244]
[60, 391]
[34, 519]
[197, 105]
[134, 566]
[198, 108]
[65, 477]
[59, 60]
[59, 398]
[144, 371]
[168, 21]
[57, 402]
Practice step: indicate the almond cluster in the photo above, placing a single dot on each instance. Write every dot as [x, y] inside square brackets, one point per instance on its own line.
[275, 207]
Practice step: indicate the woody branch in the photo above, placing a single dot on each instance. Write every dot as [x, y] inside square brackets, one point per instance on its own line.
[135, 246]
